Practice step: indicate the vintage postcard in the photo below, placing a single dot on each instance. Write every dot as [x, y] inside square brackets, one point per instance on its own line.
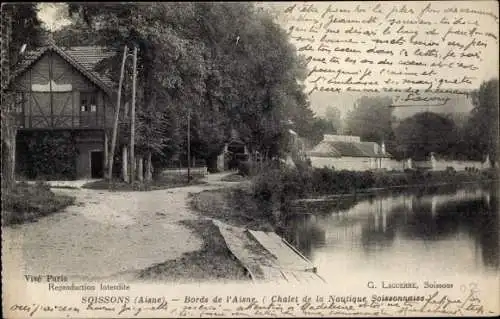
[250, 159]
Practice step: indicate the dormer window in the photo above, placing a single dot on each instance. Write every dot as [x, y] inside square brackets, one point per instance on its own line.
[88, 102]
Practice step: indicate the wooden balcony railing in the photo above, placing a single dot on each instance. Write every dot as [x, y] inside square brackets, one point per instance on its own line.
[61, 121]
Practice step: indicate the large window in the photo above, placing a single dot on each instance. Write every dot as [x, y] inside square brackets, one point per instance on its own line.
[88, 102]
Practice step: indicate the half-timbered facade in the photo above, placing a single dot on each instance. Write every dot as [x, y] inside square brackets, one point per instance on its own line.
[59, 89]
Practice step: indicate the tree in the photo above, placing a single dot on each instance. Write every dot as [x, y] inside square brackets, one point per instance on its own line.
[19, 27]
[320, 127]
[370, 119]
[424, 133]
[460, 149]
[332, 114]
[231, 65]
[482, 128]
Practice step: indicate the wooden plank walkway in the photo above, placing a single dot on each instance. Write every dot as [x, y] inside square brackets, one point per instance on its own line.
[288, 257]
[267, 257]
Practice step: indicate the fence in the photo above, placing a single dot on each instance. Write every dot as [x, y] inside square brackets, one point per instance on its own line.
[183, 171]
[177, 168]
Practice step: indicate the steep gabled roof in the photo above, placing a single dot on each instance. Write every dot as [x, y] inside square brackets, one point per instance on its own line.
[324, 149]
[84, 59]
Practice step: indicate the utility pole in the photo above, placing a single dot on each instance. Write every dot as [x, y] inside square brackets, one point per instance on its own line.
[189, 144]
[132, 118]
[117, 111]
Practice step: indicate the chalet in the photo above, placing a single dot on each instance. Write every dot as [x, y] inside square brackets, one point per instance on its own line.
[58, 90]
[350, 153]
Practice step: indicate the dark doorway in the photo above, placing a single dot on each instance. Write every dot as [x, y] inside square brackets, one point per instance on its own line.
[97, 164]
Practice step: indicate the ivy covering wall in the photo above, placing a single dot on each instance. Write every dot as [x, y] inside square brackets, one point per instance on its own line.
[46, 155]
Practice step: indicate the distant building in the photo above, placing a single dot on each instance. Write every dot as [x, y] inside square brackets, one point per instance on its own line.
[350, 153]
[234, 152]
[297, 149]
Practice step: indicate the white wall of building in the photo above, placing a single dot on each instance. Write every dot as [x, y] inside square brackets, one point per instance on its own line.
[357, 163]
[347, 163]
[341, 138]
[391, 164]
[440, 165]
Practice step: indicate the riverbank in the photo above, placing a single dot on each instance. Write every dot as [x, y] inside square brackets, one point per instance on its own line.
[212, 262]
[266, 202]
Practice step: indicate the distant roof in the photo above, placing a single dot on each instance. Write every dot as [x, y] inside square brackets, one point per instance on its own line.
[351, 149]
[84, 59]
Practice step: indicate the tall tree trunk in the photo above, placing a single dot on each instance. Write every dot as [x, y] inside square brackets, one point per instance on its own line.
[106, 151]
[140, 169]
[8, 155]
[132, 118]
[124, 164]
[9, 131]
[8, 121]
[149, 168]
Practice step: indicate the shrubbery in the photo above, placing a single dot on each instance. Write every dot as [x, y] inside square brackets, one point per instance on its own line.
[160, 181]
[27, 202]
[47, 154]
[277, 185]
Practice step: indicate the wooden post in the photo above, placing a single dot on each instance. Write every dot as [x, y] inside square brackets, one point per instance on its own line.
[106, 149]
[140, 169]
[115, 123]
[51, 94]
[132, 119]
[124, 164]
[149, 168]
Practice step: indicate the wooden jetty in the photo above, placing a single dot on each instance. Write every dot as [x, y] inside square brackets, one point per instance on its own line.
[267, 257]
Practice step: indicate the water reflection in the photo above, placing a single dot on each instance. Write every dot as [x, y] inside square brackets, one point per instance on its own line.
[462, 220]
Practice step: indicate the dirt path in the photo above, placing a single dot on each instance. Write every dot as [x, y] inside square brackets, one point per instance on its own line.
[106, 234]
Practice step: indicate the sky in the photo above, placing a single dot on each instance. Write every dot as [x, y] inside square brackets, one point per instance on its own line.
[301, 17]
[53, 15]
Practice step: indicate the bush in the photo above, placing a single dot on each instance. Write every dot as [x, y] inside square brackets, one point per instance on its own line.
[48, 155]
[451, 171]
[213, 170]
[27, 202]
[244, 168]
[268, 187]
[161, 181]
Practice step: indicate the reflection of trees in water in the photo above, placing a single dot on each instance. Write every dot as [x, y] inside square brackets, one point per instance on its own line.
[417, 218]
[304, 233]
[378, 232]
[426, 221]
[488, 237]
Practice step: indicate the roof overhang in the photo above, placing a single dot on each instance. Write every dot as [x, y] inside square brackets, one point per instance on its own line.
[54, 48]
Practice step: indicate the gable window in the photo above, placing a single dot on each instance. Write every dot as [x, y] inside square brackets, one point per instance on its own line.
[88, 102]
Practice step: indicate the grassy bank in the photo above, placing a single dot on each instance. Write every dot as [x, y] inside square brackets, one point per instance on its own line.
[213, 262]
[236, 206]
[158, 183]
[25, 203]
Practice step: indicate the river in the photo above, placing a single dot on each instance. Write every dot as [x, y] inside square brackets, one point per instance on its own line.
[451, 231]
